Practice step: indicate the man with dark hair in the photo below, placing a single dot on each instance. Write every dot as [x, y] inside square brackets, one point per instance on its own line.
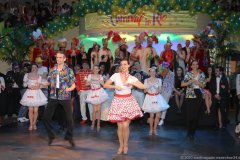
[14, 83]
[221, 96]
[83, 90]
[62, 81]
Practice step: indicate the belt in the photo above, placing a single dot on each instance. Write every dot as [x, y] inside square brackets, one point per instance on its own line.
[94, 89]
[123, 95]
[153, 94]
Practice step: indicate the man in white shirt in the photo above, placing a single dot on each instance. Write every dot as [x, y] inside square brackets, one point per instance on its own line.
[221, 96]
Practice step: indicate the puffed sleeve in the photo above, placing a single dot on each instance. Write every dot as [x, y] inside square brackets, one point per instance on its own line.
[25, 80]
[113, 77]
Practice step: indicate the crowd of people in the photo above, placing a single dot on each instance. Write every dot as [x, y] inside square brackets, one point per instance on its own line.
[115, 87]
[36, 13]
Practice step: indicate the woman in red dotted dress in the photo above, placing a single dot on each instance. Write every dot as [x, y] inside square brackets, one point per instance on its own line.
[124, 107]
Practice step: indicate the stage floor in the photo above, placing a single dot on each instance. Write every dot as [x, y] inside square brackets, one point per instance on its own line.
[17, 143]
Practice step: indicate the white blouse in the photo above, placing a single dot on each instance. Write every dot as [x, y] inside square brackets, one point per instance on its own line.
[31, 82]
[94, 81]
[153, 87]
[116, 78]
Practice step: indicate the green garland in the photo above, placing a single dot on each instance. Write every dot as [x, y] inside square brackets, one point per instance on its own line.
[10, 44]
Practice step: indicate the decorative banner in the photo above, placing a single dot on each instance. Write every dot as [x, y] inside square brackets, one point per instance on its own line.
[181, 19]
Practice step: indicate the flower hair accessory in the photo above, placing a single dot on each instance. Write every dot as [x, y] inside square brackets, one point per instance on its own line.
[165, 64]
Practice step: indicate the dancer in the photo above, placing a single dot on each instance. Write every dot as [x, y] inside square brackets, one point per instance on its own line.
[150, 54]
[73, 52]
[137, 53]
[61, 80]
[33, 97]
[124, 107]
[96, 96]
[121, 52]
[105, 54]
[194, 81]
[153, 102]
[95, 55]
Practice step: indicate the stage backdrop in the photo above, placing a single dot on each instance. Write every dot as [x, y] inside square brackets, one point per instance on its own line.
[175, 38]
[178, 26]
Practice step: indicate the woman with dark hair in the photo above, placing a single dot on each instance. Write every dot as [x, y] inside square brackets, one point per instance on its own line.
[33, 97]
[194, 81]
[96, 96]
[154, 102]
[179, 91]
[124, 107]
[103, 71]
[115, 69]
[209, 89]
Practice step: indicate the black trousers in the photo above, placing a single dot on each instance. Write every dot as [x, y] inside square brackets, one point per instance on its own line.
[222, 105]
[237, 114]
[193, 106]
[13, 99]
[48, 114]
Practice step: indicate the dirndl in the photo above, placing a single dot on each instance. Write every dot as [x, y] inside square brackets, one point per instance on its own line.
[33, 98]
[96, 96]
[154, 103]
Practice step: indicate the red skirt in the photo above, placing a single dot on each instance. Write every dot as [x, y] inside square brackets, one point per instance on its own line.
[123, 108]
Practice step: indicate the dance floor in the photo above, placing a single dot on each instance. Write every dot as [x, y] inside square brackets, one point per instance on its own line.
[17, 143]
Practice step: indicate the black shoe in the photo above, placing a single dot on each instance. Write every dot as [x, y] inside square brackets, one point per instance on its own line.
[71, 142]
[50, 140]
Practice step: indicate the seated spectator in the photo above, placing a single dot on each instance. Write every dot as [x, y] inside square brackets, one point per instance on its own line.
[179, 91]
